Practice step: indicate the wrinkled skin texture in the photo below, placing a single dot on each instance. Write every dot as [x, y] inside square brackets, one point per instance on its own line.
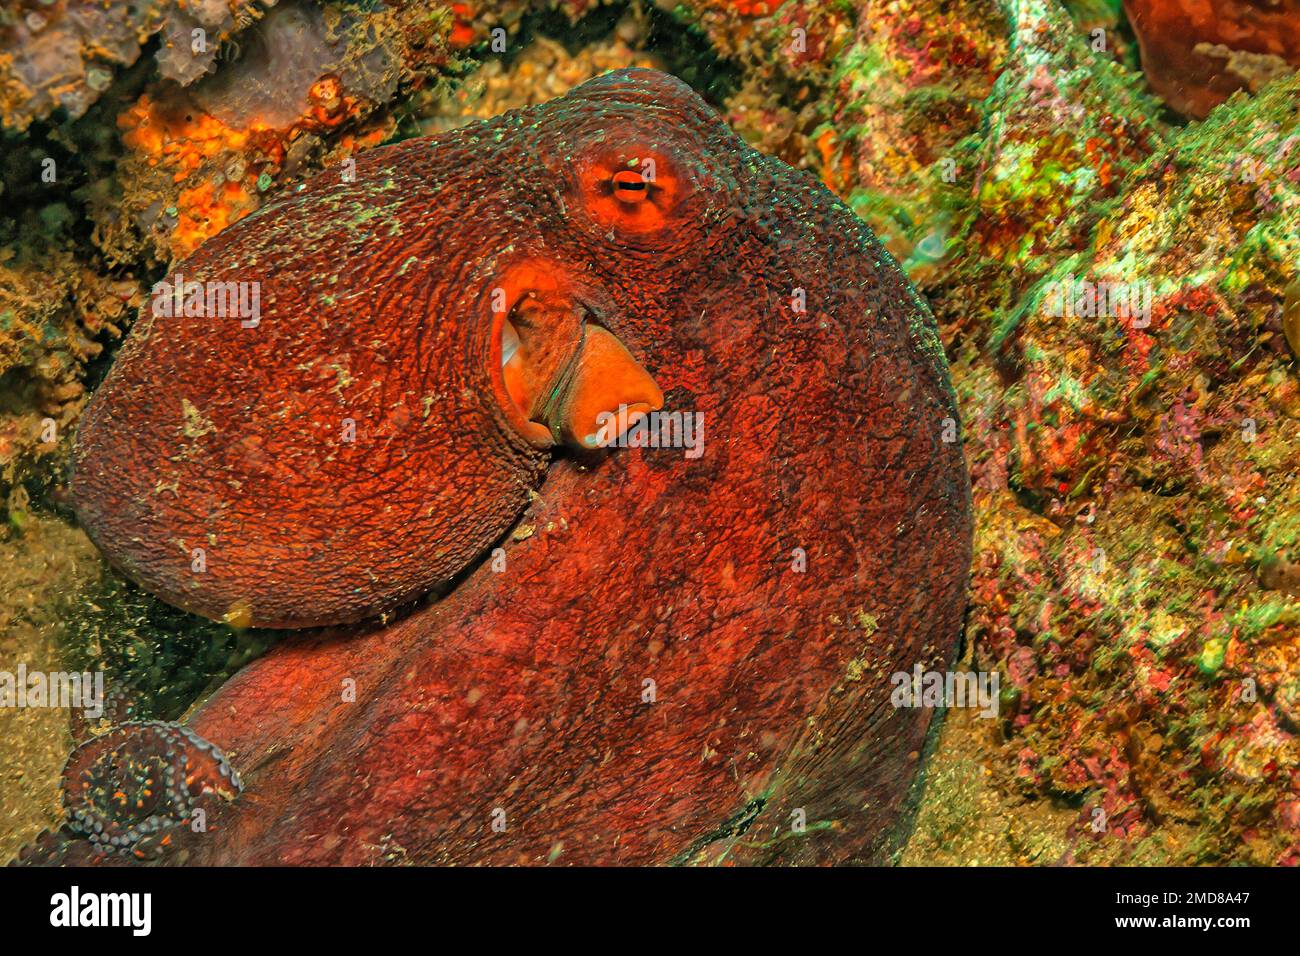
[525, 689]
[1196, 53]
[344, 455]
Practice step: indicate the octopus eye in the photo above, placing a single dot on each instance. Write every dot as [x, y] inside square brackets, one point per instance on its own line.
[630, 186]
[561, 375]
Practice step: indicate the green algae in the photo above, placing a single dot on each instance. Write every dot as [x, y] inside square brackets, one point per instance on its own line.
[156, 659]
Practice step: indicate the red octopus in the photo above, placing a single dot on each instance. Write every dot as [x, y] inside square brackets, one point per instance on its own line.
[645, 654]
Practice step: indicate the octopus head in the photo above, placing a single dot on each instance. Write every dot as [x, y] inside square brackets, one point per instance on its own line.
[634, 179]
[432, 332]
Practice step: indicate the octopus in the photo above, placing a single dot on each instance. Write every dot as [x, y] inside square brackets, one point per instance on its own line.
[139, 780]
[544, 621]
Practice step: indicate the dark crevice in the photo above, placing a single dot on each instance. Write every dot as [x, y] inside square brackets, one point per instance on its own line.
[685, 51]
[734, 826]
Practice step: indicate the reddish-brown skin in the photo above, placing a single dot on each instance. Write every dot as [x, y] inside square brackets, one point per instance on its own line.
[375, 325]
[526, 688]
[1185, 45]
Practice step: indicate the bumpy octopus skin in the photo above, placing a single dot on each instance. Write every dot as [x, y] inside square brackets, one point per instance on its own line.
[210, 435]
[653, 676]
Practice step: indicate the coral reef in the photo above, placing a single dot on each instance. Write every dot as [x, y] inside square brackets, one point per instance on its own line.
[303, 92]
[62, 54]
[1133, 460]
[54, 312]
